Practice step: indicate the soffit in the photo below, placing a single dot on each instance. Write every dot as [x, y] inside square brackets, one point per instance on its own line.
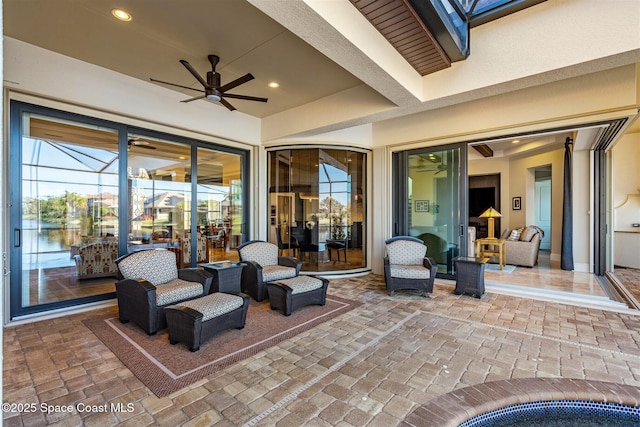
[398, 23]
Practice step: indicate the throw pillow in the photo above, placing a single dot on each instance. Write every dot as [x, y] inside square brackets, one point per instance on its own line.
[505, 234]
[515, 235]
[527, 234]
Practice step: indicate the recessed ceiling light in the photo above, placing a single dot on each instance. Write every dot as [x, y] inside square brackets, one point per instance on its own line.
[121, 14]
[515, 141]
[274, 84]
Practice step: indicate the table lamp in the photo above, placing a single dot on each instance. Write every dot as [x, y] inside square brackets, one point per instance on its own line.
[490, 214]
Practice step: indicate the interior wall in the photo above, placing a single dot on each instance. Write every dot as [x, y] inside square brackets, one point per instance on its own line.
[582, 206]
[515, 182]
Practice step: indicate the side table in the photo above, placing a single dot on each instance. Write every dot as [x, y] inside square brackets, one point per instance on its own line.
[470, 276]
[492, 247]
[226, 276]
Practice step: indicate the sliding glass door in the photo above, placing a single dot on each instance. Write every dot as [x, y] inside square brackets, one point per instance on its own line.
[430, 201]
[64, 209]
[85, 191]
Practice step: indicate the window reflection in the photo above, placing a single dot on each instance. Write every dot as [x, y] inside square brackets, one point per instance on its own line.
[220, 213]
[159, 176]
[317, 206]
[69, 206]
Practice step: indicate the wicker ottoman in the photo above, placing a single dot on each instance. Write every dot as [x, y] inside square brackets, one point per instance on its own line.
[195, 321]
[290, 294]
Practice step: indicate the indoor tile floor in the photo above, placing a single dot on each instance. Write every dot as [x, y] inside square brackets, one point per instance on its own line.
[372, 366]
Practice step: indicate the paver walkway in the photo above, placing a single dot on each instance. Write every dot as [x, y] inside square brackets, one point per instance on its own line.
[371, 366]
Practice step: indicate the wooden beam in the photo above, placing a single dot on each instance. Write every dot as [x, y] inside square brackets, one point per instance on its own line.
[484, 150]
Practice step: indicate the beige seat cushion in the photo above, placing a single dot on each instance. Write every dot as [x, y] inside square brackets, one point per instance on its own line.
[302, 284]
[272, 273]
[214, 305]
[177, 290]
[409, 271]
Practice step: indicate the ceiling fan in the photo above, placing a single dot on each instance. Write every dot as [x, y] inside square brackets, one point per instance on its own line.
[212, 89]
[437, 169]
[136, 142]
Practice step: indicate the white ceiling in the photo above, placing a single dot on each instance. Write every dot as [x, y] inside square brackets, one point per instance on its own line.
[162, 32]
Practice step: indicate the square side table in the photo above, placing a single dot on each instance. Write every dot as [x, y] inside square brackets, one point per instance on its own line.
[226, 276]
[470, 276]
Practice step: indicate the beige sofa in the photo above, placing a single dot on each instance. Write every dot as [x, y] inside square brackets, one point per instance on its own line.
[523, 252]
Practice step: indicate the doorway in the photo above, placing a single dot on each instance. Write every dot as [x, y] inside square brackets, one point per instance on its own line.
[430, 201]
[542, 194]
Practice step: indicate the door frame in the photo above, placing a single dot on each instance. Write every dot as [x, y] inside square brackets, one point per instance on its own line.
[399, 197]
[14, 173]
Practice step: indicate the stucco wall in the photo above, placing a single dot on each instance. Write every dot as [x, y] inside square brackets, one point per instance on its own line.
[626, 182]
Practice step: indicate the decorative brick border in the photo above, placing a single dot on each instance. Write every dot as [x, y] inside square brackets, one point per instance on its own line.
[451, 409]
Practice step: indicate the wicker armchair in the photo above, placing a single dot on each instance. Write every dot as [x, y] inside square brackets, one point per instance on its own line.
[407, 267]
[150, 282]
[263, 265]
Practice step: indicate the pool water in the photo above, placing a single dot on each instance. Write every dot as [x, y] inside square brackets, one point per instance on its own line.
[559, 413]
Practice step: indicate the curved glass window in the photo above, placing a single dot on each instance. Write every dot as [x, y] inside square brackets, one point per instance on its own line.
[317, 206]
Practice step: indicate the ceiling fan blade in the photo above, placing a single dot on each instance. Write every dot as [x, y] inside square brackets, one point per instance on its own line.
[195, 99]
[248, 98]
[194, 72]
[236, 82]
[176, 85]
[226, 104]
[134, 142]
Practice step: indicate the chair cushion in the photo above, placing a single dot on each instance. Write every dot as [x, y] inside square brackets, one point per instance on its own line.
[156, 266]
[272, 273]
[404, 252]
[302, 284]
[214, 305]
[177, 290]
[400, 271]
[264, 253]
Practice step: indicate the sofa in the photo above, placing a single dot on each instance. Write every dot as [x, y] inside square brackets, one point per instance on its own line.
[521, 245]
[97, 259]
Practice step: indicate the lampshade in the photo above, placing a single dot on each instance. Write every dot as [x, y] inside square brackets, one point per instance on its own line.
[491, 213]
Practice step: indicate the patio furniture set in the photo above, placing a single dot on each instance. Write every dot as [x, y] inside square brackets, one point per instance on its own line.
[195, 304]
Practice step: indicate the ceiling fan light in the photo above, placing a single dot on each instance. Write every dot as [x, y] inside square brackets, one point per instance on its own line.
[214, 97]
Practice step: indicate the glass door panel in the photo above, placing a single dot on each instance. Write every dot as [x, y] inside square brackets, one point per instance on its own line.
[220, 208]
[159, 195]
[433, 206]
[317, 206]
[65, 211]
